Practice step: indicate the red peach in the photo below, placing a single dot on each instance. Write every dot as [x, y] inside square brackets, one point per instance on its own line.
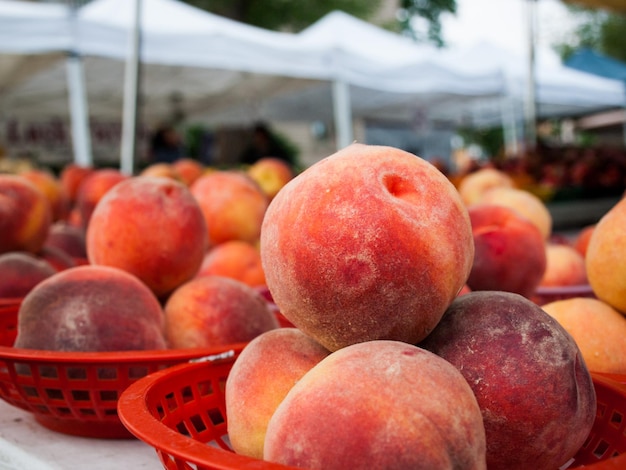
[20, 271]
[369, 243]
[69, 238]
[71, 177]
[57, 258]
[51, 187]
[188, 169]
[581, 240]
[235, 259]
[93, 188]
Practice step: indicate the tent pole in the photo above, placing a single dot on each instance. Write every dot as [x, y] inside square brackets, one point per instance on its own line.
[531, 102]
[509, 127]
[342, 113]
[131, 98]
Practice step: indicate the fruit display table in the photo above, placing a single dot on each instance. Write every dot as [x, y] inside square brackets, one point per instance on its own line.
[26, 445]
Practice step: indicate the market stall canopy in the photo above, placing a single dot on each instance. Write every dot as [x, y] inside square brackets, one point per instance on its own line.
[590, 61]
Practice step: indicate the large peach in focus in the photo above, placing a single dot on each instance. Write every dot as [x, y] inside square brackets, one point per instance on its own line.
[598, 329]
[152, 228]
[510, 251]
[369, 243]
[378, 404]
[93, 188]
[530, 379]
[25, 215]
[267, 368]
[90, 308]
[233, 206]
[214, 311]
[473, 186]
[271, 174]
[235, 259]
[606, 252]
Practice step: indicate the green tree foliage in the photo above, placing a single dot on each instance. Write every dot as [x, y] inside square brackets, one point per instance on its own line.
[596, 29]
[421, 19]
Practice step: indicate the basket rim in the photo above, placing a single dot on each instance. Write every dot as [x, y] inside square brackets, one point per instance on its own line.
[571, 289]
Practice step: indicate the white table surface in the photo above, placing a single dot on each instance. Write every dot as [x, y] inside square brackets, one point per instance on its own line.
[27, 445]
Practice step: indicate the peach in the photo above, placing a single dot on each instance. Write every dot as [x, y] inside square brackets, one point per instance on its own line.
[235, 259]
[233, 206]
[90, 308]
[271, 174]
[188, 170]
[369, 243]
[267, 368]
[25, 215]
[473, 185]
[91, 190]
[530, 379]
[152, 228]
[69, 238]
[510, 252]
[605, 257]
[213, 311]
[581, 240]
[378, 404]
[161, 169]
[598, 329]
[565, 266]
[52, 188]
[71, 177]
[525, 202]
[57, 258]
[20, 271]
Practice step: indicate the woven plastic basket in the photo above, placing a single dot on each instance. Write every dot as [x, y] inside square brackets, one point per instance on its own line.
[181, 413]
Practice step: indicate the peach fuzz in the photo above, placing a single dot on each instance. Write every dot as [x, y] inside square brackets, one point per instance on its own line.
[510, 253]
[188, 169]
[90, 308]
[565, 266]
[530, 379]
[25, 215]
[474, 185]
[524, 202]
[235, 259]
[267, 368]
[233, 206]
[152, 228]
[213, 311]
[52, 189]
[378, 404]
[93, 188]
[369, 243]
[606, 252]
[20, 271]
[271, 174]
[598, 329]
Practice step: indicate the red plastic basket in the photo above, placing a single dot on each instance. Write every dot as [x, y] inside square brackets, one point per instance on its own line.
[181, 413]
[544, 295]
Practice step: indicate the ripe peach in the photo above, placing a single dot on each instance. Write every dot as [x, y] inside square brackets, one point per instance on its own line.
[267, 368]
[524, 202]
[527, 373]
[52, 189]
[188, 169]
[233, 206]
[152, 228]
[565, 266]
[598, 329]
[378, 404]
[369, 243]
[605, 257]
[235, 259]
[161, 169]
[510, 251]
[93, 188]
[20, 271]
[90, 308]
[473, 186]
[581, 240]
[25, 215]
[69, 238]
[271, 174]
[57, 258]
[214, 310]
[71, 177]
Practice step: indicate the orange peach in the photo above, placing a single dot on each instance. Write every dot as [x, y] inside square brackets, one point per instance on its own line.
[213, 311]
[598, 329]
[233, 206]
[510, 251]
[152, 228]
[51, 187]
[525, 202]
[90, 308]
[473, 186]
[267, 368]
[71, 177]
[369, 243]
[565, 266]
[25, 215]
[161, 169]
[91, 190]
[271, 174]
[605, 257]
[188, 170]
[235, 259]
[20, 271]
[530, 379]
[378, 404]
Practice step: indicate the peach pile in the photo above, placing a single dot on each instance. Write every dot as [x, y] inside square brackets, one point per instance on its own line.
[93, 188]
[271, 174]
[20, 271]
[235, 259]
